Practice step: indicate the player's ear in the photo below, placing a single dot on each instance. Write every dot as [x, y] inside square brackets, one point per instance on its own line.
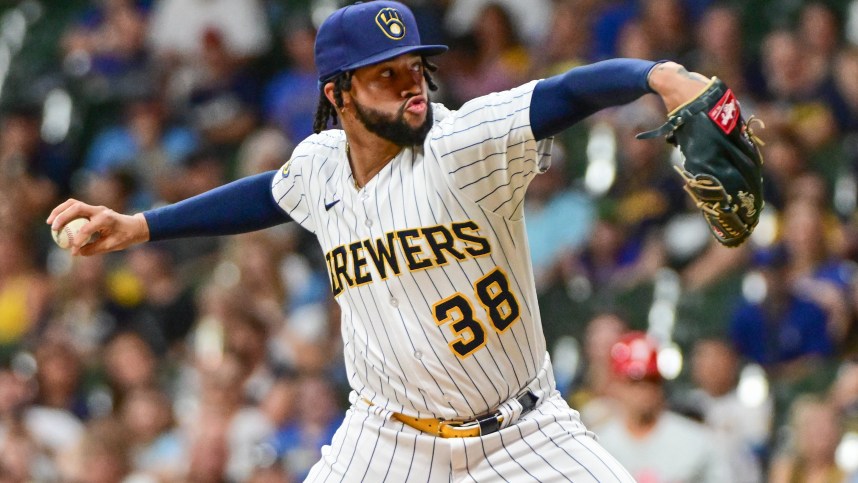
[328, 89]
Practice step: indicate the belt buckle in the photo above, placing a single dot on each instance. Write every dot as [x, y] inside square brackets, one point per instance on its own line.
[487, 423]
[457, 426]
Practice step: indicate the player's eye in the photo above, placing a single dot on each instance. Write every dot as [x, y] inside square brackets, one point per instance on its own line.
[387, 73]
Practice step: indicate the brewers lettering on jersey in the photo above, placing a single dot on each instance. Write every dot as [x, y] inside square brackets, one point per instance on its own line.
[419, 213]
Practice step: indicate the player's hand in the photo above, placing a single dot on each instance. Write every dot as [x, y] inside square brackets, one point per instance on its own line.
[675, 84]
[115, 230]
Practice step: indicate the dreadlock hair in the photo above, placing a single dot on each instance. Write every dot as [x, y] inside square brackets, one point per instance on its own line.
[343, 82]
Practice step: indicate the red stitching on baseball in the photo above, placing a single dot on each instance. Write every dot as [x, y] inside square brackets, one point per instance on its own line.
[69, 235]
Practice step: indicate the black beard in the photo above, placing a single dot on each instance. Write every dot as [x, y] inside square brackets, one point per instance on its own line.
[394, 128]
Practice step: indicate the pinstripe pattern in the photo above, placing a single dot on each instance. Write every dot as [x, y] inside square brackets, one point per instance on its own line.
[549, 444]
[431, 267]
[473, 168]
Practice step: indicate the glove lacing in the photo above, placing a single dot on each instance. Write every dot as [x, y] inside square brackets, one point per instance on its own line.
[750, 131]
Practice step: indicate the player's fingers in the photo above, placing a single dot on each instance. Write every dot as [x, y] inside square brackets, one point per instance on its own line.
[77, 209]
[101, 222]
[60, 208]
[99, 245]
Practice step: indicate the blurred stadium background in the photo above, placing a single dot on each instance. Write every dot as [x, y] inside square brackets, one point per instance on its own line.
[220, 359]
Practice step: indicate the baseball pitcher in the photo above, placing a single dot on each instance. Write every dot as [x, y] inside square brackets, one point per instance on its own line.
[419, 213]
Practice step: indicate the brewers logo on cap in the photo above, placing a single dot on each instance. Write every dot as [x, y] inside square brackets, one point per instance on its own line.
[347, 40]
[390, 23]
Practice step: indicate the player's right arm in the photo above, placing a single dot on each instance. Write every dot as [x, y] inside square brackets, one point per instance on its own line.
[241, 206]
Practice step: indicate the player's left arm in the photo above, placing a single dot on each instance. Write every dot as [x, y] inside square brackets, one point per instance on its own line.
[561, 101]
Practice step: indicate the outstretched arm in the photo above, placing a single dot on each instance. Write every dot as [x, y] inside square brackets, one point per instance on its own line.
[561, 101]
[241, 206]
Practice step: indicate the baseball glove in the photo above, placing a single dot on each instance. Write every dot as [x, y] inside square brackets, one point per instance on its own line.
[723, 165]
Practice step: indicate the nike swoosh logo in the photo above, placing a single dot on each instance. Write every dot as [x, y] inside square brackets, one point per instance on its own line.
[330, 205]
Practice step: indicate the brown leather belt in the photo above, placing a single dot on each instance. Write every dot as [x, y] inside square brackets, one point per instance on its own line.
[480, 426]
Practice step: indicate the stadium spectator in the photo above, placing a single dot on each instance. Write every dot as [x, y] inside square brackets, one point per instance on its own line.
[634, 41]
[719, 47]
[794, 91]
[24, 290]
[164, 307]
[102, 456]
[266, 149]
[59, 381]
[813, 241]
[225, 417]
[280, 404]
[246, 337]
[653, 443]
[208, 452]
[156, 447]
[290, 98]
[220, 98]
[144, 146]
[32, 174]
[743, 427]
[782, 328]
[666, 24]
[129, 363]
[568, 40]
[819, 31]
[107, 47]
[595, 395]
[844, 94]
[808, 452]
[177, 26]
[500, 61]
[844, 393]
[805, 312]
[298, 443]
[80, 314]
[22, 459]
[530, 19]
[645, 191]
[559, 220]
[257, 258]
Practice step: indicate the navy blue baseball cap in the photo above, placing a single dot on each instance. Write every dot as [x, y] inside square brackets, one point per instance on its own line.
[367, 33]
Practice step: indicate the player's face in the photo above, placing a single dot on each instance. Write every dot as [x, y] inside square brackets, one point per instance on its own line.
[390, 100]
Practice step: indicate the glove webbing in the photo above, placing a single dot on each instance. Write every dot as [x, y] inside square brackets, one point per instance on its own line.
[727, 220]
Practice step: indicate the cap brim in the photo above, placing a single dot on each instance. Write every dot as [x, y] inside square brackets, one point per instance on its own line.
[391, 53]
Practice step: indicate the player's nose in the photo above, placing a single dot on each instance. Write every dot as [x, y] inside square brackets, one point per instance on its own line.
[411, 90]
[413, 85]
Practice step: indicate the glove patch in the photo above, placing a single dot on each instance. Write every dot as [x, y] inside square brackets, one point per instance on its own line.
[726, 113]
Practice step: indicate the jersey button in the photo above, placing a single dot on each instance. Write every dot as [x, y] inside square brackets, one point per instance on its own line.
[418, 355]
[394, 302]
[368, 222]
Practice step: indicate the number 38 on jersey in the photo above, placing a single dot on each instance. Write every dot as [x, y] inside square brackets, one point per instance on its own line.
[457, 312]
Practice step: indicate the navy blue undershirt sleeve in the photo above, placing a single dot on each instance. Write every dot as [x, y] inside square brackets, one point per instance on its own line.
[239, 207]
[560, 101]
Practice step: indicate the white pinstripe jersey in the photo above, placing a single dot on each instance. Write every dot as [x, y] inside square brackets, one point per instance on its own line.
[429, 261]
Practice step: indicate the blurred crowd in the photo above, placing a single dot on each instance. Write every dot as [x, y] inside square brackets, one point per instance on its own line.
[219, 360]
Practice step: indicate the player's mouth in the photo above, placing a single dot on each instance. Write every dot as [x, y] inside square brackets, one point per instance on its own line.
[416, 105]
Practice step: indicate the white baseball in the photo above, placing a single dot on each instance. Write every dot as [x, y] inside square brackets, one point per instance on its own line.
[65, 236]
